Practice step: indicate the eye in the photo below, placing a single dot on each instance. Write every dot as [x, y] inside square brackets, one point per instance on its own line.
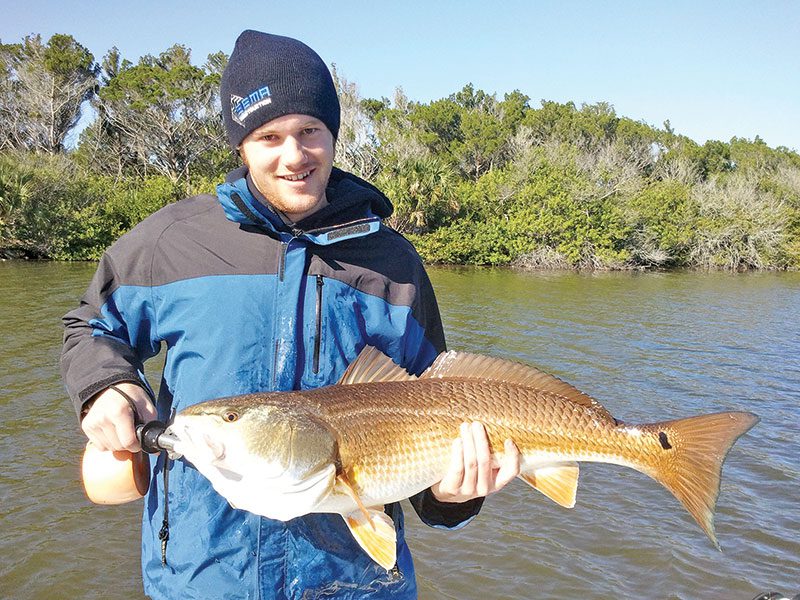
[230, 416]
[310, 130]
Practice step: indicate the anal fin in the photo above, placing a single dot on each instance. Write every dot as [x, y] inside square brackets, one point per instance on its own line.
[375, 533]
[559, 482]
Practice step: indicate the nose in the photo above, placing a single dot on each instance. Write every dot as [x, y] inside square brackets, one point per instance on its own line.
[293, 152]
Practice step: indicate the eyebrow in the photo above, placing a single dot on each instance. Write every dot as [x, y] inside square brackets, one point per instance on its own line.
[265, 129]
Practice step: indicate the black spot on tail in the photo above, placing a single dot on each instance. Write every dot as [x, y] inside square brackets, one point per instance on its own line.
[662, 437]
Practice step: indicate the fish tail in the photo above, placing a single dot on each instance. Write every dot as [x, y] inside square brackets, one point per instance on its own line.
[691, 456]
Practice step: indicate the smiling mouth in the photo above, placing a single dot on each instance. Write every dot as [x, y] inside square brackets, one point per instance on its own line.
[297, 176]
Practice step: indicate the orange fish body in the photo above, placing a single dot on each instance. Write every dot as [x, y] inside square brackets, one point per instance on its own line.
[382, 435]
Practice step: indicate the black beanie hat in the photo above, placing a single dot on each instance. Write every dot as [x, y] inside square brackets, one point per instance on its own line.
[269, 76]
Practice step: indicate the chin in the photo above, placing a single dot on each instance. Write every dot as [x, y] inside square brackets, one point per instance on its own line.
[296, 206]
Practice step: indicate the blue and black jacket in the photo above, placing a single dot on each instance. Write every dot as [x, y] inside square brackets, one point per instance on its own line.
[244, 302]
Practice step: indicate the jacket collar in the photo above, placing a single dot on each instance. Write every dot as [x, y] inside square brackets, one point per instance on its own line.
[355, 208]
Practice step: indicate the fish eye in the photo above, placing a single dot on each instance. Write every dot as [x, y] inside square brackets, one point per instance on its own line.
[230, 416]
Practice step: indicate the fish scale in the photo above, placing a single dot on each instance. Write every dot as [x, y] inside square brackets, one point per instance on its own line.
[378, 428]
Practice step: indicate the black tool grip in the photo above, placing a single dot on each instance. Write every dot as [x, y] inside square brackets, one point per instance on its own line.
[148, 435]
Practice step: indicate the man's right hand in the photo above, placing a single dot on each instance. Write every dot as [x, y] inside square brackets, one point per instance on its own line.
[109, 424]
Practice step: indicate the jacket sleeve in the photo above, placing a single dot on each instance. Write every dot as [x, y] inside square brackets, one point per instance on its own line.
[441, 515]
[109, 335]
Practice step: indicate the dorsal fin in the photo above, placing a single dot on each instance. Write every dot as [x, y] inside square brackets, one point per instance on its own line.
[466, 365]
[373, 365]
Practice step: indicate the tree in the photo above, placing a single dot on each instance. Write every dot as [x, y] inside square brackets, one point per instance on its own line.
[9, 114]
[592, 124]
[437, 125]
[470, 128]
[42, 90]
[487, 128]
[164, 112]
[356, 147]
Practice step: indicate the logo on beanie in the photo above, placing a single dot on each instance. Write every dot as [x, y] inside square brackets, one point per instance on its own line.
[241, 108]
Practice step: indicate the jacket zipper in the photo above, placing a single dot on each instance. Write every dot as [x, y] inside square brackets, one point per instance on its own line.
[318, 332]
[281, 273]
[282, 260]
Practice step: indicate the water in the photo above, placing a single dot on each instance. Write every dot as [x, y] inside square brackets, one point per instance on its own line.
[651, 346]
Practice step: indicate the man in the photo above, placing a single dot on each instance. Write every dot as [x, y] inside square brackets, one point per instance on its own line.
[275, 283]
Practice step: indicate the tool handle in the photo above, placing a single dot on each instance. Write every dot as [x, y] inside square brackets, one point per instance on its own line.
[114, 477]
[117, 477]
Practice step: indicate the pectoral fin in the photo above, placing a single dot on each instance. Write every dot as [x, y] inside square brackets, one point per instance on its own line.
[343, 485]
[374, 531]
[559, 482]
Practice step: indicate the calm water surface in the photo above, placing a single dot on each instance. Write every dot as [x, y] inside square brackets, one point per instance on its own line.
[650, 347]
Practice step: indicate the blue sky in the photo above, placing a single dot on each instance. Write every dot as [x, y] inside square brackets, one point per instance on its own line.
[714, 69]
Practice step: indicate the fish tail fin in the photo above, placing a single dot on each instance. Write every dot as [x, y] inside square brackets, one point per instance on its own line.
[691, 462]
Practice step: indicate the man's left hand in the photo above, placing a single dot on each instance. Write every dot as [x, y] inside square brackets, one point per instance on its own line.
[472, 473]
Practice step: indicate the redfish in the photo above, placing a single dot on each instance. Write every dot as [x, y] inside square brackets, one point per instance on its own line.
[381, 435]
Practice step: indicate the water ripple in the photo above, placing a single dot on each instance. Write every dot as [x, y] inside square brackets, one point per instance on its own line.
[649, 346]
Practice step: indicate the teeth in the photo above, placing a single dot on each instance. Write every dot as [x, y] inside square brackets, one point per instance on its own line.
[297, 177]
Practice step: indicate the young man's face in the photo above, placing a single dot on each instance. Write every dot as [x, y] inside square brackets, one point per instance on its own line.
[290, 160]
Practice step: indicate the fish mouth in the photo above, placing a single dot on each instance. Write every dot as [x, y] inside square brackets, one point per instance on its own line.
[198, 439]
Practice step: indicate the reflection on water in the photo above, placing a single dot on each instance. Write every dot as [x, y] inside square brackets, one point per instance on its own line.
[650, 347]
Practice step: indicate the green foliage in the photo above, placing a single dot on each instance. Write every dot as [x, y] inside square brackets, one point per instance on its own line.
[469, 242]
[158, 116]
[562, 210]
[38, 202]
[51, 209]
[15, 194]
[374, 107]
[552, 208]
[156, 81]
[421, 189]
[660, 220]
[590, 124]
[437, 125]
[65, 56]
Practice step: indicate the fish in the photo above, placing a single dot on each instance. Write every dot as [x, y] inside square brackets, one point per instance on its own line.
[381, 435]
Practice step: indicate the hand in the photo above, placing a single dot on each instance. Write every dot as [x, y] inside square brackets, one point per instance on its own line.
[472, 472]
[109, 422]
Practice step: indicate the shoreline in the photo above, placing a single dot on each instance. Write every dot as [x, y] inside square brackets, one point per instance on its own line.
[633, 269]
